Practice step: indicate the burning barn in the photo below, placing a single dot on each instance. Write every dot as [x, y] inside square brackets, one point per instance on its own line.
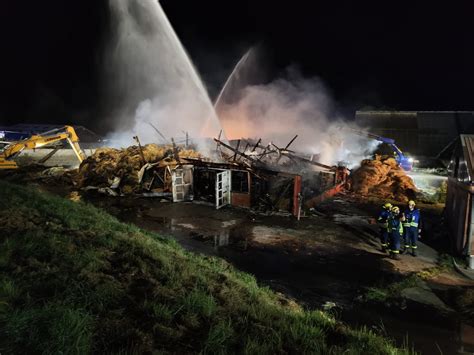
[459, 203]
[278, 178]
[265, 178]
[236, 185]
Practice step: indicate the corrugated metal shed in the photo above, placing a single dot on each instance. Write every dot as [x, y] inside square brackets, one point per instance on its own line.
[467, 142]
[422, 133]
[459, 202]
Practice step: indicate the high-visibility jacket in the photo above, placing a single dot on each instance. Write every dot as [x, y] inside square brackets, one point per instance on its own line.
[395, 225]
[412, 218]
[383, 218]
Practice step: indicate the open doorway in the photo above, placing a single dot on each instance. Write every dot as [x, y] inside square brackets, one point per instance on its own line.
[213, 186]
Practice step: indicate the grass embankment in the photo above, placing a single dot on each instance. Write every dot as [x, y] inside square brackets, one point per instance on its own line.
[75, 280]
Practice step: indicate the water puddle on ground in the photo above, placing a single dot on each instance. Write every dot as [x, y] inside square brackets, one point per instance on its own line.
[198, 234]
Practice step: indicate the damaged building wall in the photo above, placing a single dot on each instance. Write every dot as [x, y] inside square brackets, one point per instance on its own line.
[289, 178]
[241, 189]
[262, 189]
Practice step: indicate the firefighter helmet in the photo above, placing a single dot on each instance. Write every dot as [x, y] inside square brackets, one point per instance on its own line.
[411, 202]
[387, 205]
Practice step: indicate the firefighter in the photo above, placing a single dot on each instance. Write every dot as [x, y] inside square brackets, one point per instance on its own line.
[395, 228]
[405, 244]
[412, 226]
[382, 220]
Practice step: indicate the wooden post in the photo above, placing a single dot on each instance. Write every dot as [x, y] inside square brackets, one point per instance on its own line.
[175, 151]
[141, 151]
[297, 196]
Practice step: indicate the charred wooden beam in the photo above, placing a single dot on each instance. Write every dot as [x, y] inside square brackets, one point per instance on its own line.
[175, 151]
[199, 162]
[288, 145]
[256, 145]
[263, 153]
[297, 157]
[148, 186]
[279, 151]
[246, 147]
[236, 150]
[157, 174]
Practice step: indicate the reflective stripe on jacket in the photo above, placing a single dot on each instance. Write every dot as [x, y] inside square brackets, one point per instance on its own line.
[412, 218]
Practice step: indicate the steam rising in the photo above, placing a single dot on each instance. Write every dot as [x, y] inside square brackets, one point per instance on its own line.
[152, 80]
[152, 85]
[294, 105]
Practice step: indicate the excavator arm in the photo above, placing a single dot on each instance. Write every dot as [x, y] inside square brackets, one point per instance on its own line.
[66, 133]
[405, 162]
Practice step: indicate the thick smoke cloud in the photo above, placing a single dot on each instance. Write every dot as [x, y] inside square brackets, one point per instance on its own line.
[294, 105]
[150, 78]
[152, 83]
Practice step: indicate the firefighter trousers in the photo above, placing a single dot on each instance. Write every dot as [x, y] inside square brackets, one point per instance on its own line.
[395, 242]
[411, 237]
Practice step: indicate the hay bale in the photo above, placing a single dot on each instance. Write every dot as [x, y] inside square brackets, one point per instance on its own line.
[105, 164]
[383, 178]
[391, 162]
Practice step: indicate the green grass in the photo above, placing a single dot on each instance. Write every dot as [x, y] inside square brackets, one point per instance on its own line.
[74, 280]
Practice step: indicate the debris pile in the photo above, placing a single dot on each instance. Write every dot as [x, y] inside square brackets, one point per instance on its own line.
[382, 177]
[270, 156]
[125, 168]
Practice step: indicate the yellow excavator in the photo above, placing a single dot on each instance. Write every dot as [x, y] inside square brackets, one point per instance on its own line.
[66, 133]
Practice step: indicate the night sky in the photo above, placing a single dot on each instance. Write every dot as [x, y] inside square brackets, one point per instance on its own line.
[380, 55]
